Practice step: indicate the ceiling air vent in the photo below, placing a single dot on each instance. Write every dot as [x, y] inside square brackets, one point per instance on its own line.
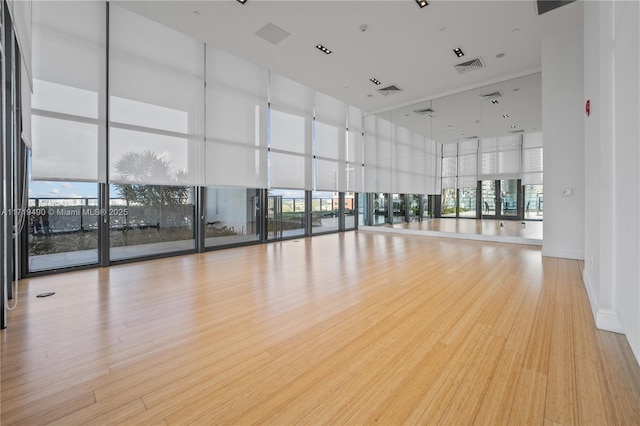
[389, 90]
[471, 65]
[493, 95]
[425, 111]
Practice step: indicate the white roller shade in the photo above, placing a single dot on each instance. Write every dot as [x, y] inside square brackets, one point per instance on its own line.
[69, 90]
[532, 159]
[402, 176]
[384, 154]
[22, 16]
[370, 154]
[330, 141]
[287, 170]
[287, 141]
[419, 164]
[354, 161]
[433, 168]
[468, 164]
[290, 137]
[355, 122]
[156, 101]
[25, 107]
[236, 121]
[501, 158]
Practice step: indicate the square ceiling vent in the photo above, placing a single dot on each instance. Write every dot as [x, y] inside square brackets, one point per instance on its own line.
[390, 90]
[272, 33]
[471, 65]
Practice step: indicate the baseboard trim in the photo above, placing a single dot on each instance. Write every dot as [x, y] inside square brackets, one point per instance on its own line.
[593, 301]
[564, 254]
[609, 321]
[605, 320]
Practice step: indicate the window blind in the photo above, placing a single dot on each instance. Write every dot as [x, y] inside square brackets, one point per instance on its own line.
[353, 150]
[468, 164]
[384, 155]
[236, 121]
[401, 178]
[330, 133]
[156, 102]
[532, 161]
[290, 134]
[69, 90]
[370, 154]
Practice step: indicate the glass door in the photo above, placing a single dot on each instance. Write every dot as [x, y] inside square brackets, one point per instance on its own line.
[490, 199]
[501, 199]
[467, 202]
[274, 217]
[509, 198]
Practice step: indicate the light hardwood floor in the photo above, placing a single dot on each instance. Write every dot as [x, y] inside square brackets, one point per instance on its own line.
[347, 328]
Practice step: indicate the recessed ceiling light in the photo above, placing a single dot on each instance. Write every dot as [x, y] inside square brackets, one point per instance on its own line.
[422, 3]
[505, 115]
[374, 81]
[500, 55]
[458, 52]
[242, 1]
[324, 49]
[495, 101]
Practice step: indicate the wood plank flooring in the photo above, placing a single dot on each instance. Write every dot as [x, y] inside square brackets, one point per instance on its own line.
[354, 328]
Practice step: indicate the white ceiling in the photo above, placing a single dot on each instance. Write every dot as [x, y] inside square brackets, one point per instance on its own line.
[403, 44]
[472, 114]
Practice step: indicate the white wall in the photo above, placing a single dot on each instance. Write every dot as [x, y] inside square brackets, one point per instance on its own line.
[627, 166]
[563, 130]
[612, 156]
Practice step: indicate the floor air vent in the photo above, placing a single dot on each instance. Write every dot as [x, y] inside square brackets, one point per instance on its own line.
[389, 90]
[471, 65]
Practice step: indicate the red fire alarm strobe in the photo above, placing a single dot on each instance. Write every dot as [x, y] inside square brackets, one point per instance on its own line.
[587, 107]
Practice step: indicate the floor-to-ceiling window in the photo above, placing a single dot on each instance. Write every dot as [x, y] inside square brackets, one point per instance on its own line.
[146, 220]
[414, 207]
[364, 213]
[62, 225]
[399, 208]
[533, 202]
[231, 216]
[155, 136]
[286, 213]
[325, 209]
[350, 210]
[69, 134]
[467, 202]
[489, 198]
[449, 177]
[380, 208]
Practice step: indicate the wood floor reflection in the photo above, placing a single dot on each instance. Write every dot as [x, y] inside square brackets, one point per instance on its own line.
[349, 328]
[510, 231]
